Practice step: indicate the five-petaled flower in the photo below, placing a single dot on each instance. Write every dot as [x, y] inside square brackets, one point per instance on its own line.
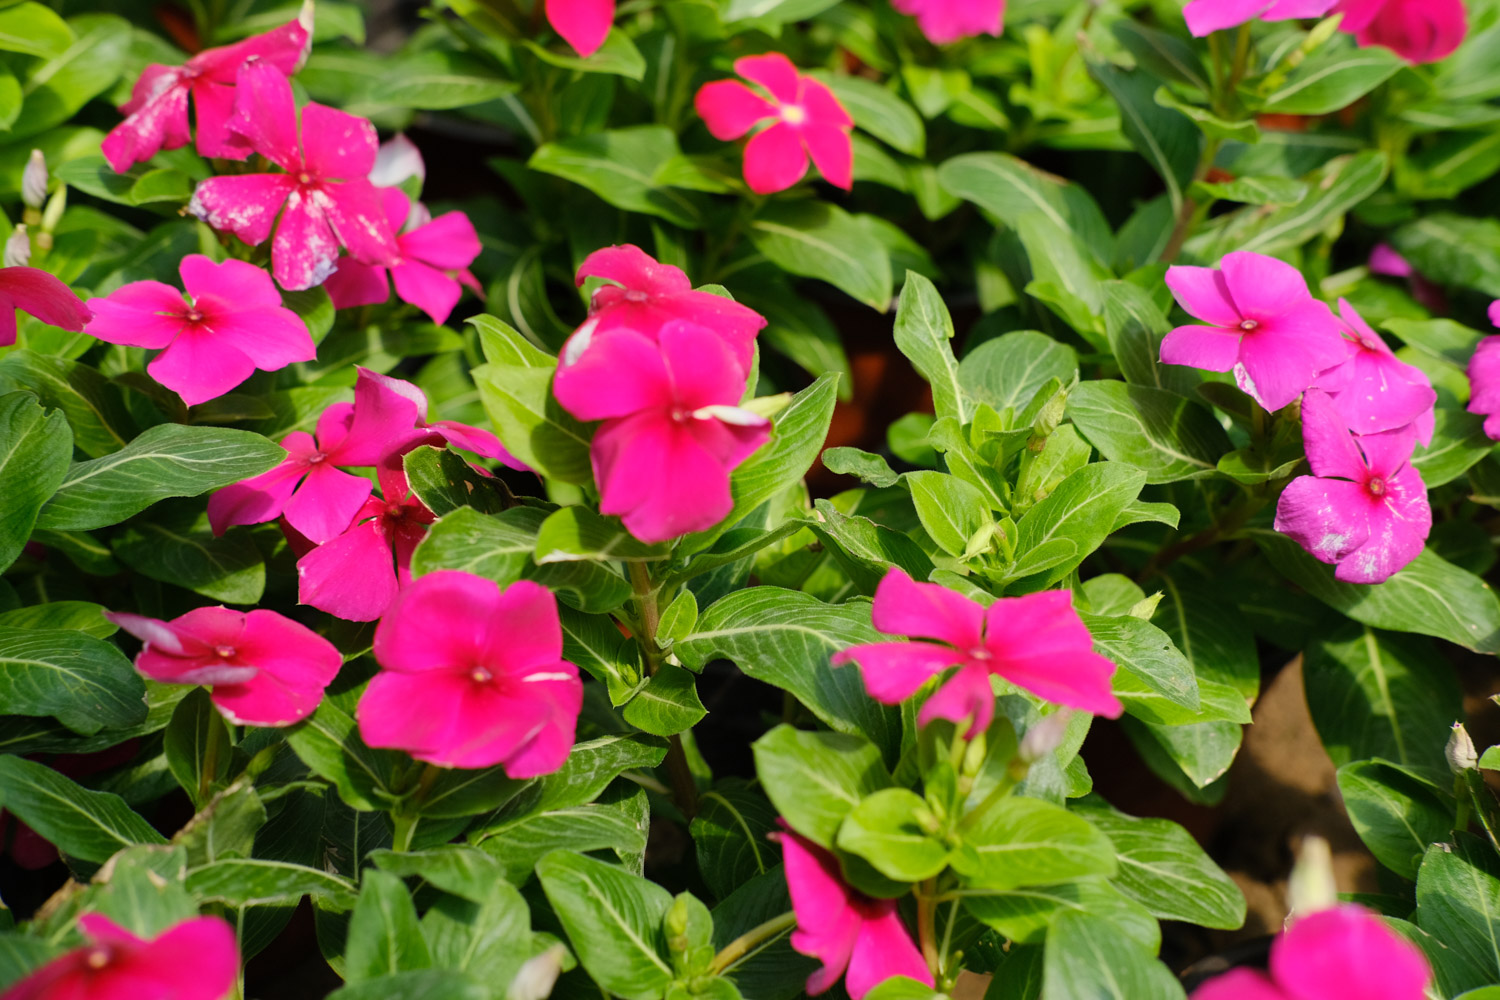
[38, 293]
[195, 959]
[157, 112]
[1264, 325]
[804, 116]
[1036, 642]
[945, 21]
[231, 323]
[1373, 389]
[584, 24]
[264, 669]
[473, 676]
[328, 198]
[430, 270]
[1364, 508]
[843, 928]
[1344, 951]
[644, 294]
[673, 429]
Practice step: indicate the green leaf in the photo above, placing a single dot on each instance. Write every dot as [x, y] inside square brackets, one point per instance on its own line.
[421, 984]
[619, 825]
[729, 835]
[577, 533]
[924, 333]
[35, 449]
[952, 511]
[195, 724]
[1065, 274]
[1430, 596]
[1091, 959]
[488, 936]
[1135, 326]
[83, 682]
[622, 166]
[437, 79]
[868, 467]
[84, 824]
[613, 920]
[444, 482]
[618, 56]
[1458, 902]
[885, 830]
[1254, 191]
[93, 405]
[169, 460]
[1465, 251]
[1155, 680]
[463, 871]
[179, 547]
[1163, 55]
[817, 240]
[1008, 371]
[1007, 188]
[594, 588]
[1336, 76]
[867, 550]
[1166, 138]
[1458, 444]
[329, 744]
[815, 779]
[1026, 842]
[225, 827]
[785, 638]
[497, 547]
[56, 88]
[531, 423]
[1081, 512]
[79, 616]
[902, 988]
[242, 882]
[384, 936]
[1378, 694]
[878, 111]
[668, 704]
[1395, 813]
[1168, 436]
[33, 29]
[595, 644]
[1162, 867]
[1025, 915]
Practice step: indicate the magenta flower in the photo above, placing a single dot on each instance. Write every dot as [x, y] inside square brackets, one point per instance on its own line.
[196, 959]
[264, 669]
[430, 269]
[945, 21]
[157, 112]
[645, 295]
[381, 422]
[437, 432]
[38, 293]
[1345, 951]
[1365, 507]
[805, 119]
[473, 676]
[1419, 31]
[1264, 325]
[1372, 389]
[584, 24]
[357, 575]
[1484, 381]
[673, 430]
[1036, 642]
[230, 323]
[1207, 16]
[1386, 260]
[326, 191]
[842, 927]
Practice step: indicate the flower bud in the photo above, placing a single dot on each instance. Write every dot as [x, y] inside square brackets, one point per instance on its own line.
[1460, 751]
[1045, 736]
[55, 208]
[1312, 886]
[18, 248]
[1052, 414]
[34, 181]
[538, 975]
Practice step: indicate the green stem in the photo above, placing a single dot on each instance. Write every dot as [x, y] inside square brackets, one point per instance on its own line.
[405, 819]
[947, 952]
[210, 770]
[405, 830]
[1236, 518]
[1461, 793]
[647, 597]
[747, 942]
[927, 924]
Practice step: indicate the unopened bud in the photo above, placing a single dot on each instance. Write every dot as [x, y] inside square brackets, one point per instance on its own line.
[34, 181]
[1312, 886]
[18, 248]
[1460, 751]
[1045, 736]
[1052, 414]
[538, 975]
[55, 208]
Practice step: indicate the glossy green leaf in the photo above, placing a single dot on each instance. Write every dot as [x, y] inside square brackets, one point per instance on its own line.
[613, 920]
[35, 449]
[84, 824]
[815, 239]
[1168, 436]
[815, 779]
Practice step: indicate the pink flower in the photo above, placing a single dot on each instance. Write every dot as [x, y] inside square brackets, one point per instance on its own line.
[157, 112]
[329, 199]
[1364, 508]
[473, 676]
[1345, 951]
[1265, 325]
[382, 421]
[1484, 380]
[431, 263]
[945, 21]
[644, 295]
[437, 432]
[1374, 391]
[1495, 313]
[34, 291]
[1207, 16]
[1385, 259]
[1420, 31]
[805, 119]
[1036, 642]
[231, 323]
[673, 430]
[194, 960]
[842, 927]
[357, 575]
[584, 24]
[264, 669]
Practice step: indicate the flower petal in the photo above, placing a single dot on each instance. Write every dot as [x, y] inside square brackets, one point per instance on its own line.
[773, 71]
[245, 205]
[1262, 287]
[1207, 347]
[260, 498]
[265, 113]
[336, 144]
[354, 210]
[893, 671]
[584, 24]
[774, 159]
[827, 924]
[294, 665]
[658, 478]
[213, 105]
[730, 109]
[617, 374]
[1348, 951]
[240, 284]
[1331, 449]
[327, 503]
[353, 283]
[1399, 527]
[306, 249]
[1204, 17]
[449, 242]
[34, 291]
[1203, 293]
[140, 314]
[1240, 984]
[927, 611]
[199, 366]
[631, 267]
[427, 288]
[352, 577]
[158, 120]
[832, 151]
[1040, 644]
[1330, 518]
[443, 621]
[883, 951]
[386, 417]
[967, 697]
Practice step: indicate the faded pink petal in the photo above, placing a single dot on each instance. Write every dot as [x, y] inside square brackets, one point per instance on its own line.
[927, 611]
[353, 576]
[195, 959]
[337, 144]
[883, 951]
[1039, 643]
[948, 21]
[1420, 31]
[775, 159]
[353, 208]
[893, 671]
[584, 24]
[139, 314]
[265, 113]
[34, 291]
[306, 248]
[160, 120]
[245, 205]
[1399, 526]
[1240, 984]
[397, 160]
[199, 367]
[1348, 951]
[1484, 382]
[730, 109]
[966, 698]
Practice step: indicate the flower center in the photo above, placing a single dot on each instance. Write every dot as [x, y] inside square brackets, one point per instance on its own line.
[97, 958]
[635, 295]
[1376, 486]
[679, 414]
[225, 652]
[980, 653]
[1249, 325]
[304, 178]
[194, 315]
[481, 676]
[315, 458]
[793, 114]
